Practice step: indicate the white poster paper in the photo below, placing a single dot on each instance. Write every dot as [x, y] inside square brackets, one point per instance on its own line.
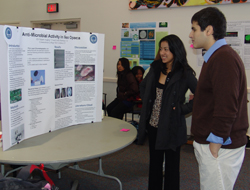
[49, 80]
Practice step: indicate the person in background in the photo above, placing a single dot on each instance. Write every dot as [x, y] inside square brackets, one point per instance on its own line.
[127, 87]
[219, 120]
[163, 111]
[138, 72]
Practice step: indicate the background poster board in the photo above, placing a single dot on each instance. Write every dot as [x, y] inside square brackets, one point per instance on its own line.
[140, 41]
[49, 80]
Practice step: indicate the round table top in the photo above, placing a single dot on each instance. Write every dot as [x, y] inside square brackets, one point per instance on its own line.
[72, 144]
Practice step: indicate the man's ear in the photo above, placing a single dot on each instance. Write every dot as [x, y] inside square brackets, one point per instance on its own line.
[209, 30]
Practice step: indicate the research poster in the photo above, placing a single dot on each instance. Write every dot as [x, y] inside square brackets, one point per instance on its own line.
[139, 41]
[238, 37]
[49, 80]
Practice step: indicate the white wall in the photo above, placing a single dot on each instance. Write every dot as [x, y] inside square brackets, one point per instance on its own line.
[106, 17]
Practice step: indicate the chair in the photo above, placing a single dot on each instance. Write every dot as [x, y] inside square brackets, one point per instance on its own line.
[134, 110]
[104, 105]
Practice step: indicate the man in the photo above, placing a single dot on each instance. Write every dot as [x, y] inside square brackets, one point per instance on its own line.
[219, 119]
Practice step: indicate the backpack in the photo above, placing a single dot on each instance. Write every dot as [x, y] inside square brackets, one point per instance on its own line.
[40, 180]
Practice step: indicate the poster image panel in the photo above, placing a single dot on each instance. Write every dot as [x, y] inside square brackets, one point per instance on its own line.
[57, 93]
[247, 39]
[37, 77]
[59, 58]
[84, 72]
[15, 96]
[69, 91]
[133, 62]
[17, 134]
[153, 4]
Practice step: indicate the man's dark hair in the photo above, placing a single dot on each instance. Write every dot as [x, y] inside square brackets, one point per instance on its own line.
[214, 17]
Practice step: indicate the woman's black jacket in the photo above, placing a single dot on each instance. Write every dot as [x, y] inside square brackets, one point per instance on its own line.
[172, 130]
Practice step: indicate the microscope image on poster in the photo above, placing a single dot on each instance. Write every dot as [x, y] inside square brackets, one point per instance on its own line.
[57, 93]
[15, 96]
[17, 134]
[84, 72]
[37, 77]
[59, 58]
[69, 91]
[63, 92]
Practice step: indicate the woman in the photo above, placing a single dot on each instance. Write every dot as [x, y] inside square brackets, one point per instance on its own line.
[138, 72]
[163, 111]
[127, 87]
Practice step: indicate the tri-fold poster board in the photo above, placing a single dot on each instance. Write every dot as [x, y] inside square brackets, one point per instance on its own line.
[49, 80]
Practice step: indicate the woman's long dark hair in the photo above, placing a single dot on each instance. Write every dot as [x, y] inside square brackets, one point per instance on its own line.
[177, 48]
[125, 64]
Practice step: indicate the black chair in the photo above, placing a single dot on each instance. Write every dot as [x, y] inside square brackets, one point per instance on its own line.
[134, 110]
[104, 104]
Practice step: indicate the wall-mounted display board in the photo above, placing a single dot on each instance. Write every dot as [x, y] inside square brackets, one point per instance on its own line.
[149, 4]
[49, 80]
[139, 41]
